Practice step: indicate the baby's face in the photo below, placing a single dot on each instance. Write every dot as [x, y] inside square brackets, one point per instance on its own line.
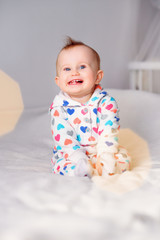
[77, 72]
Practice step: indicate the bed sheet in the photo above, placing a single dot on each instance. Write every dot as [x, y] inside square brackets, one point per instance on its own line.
[36, 205]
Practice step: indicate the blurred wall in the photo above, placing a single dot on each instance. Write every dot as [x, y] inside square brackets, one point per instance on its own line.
[32, 33]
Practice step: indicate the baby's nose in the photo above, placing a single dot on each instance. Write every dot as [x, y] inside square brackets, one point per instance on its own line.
[75, 73]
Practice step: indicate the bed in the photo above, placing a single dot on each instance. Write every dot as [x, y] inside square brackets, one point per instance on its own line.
[38, 205]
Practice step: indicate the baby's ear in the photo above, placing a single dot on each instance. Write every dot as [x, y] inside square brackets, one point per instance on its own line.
[99, 76]
[57, 80]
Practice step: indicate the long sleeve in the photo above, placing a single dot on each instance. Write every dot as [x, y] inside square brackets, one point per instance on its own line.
[109, 127]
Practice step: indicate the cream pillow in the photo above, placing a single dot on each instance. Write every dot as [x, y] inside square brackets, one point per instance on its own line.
[11, 103]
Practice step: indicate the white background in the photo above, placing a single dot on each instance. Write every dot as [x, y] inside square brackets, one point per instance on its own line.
[32, 33]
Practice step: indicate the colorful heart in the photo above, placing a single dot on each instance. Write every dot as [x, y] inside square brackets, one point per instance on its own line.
[77, 121]
[57, 137]
[95, 110]
[70, 133]
[94, 99]
[88, 120]
[104, 100]
[84, 111]
[91, 139]
[83, 129]
[95, 129]
[104, 92]
[78, 138]
[59, 148]
[60, 126]
[109, 106]
[99, 109]
[100, 132]
[109, 143]
[65, 103]
[109, 122]
[73, 167]
[56, 113]
[114, 110]
[58, 168]
[98, 121]
[67, 142]
[76, 147]
[70, 111]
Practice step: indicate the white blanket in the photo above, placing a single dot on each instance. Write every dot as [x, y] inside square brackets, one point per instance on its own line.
[36, 204]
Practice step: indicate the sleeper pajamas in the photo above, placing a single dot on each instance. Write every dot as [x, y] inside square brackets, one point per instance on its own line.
[83, 133]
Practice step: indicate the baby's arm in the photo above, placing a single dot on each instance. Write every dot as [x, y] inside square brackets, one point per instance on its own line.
[70, 157]
[108, 139]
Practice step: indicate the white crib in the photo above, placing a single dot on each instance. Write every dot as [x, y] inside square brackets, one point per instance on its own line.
[142, 74]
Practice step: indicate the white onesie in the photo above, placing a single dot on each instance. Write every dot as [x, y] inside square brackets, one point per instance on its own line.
[84, 132]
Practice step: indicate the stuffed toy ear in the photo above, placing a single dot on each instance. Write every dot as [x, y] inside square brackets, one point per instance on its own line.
[11, 103]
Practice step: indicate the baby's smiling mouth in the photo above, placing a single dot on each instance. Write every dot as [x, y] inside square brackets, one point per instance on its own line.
[75, 82]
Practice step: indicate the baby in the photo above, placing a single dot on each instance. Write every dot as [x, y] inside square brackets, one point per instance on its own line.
[84, 118]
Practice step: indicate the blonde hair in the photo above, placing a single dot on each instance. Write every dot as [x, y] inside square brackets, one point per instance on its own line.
[70, 43]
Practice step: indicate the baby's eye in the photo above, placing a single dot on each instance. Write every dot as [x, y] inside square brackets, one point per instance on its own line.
[82, 66]
[67, 69]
